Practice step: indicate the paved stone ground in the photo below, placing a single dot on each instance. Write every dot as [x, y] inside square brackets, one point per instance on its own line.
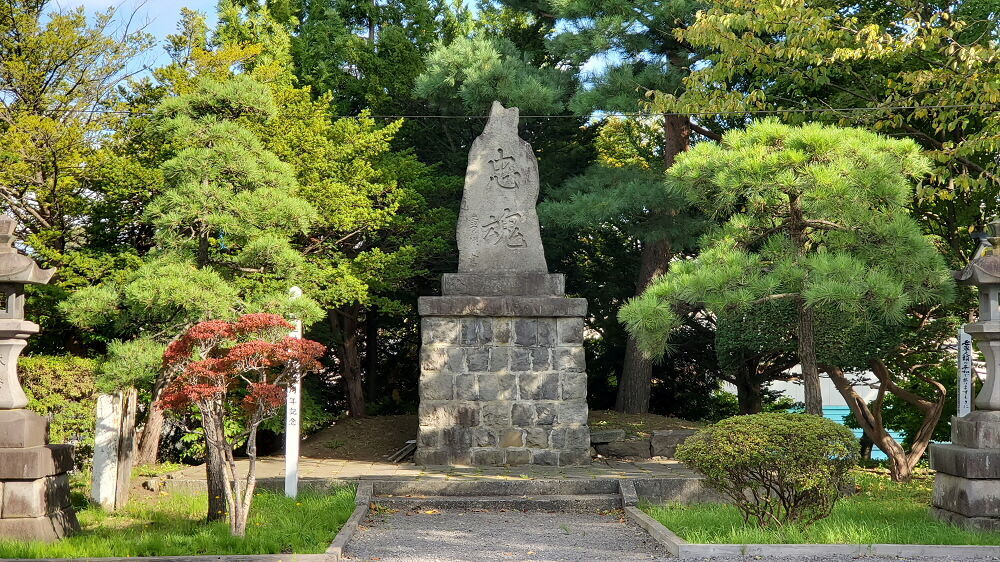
[336, 469]
[501, 535]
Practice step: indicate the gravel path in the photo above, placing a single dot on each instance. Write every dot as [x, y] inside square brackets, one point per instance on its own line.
[502, 535]
[452, 535]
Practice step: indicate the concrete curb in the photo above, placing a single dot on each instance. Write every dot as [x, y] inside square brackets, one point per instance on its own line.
[362, 503]
[659, 533]
[683, 549]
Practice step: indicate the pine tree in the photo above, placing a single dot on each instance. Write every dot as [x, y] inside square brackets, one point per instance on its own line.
[224, 225]
[814, 216]
[367, 250]
[621, 50]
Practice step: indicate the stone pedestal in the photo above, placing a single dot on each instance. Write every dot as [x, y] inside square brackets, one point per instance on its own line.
[34, 484]
[502, 378]
[967, 485]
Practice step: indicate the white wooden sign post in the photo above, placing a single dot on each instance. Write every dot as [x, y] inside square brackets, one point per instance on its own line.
[292, 414]
[965, 387]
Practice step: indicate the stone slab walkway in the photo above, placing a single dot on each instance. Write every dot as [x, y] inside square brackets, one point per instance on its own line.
[448, 535]
[335, 469]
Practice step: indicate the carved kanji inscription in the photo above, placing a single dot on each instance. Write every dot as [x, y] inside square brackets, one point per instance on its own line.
[498, 226]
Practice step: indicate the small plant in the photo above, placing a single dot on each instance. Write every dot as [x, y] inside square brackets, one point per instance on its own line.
[776, 468]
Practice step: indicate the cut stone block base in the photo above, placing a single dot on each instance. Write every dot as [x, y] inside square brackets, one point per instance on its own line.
[34, 484]
[967, 483]
[503, 382]
[971, 523]
[46, 528]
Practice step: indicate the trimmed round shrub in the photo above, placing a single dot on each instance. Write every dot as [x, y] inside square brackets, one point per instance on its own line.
[776, 468]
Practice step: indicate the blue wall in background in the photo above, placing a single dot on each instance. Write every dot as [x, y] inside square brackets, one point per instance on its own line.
[838, 413]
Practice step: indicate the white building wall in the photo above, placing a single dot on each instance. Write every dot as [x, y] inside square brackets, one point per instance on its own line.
[867, 388]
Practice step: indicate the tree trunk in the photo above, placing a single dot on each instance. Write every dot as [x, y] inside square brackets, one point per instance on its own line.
[241, 508]
[807, 360]
[749, 393]
[215, 474]
[215, 467]
[371, 22]
[149, 442]
[866, 446]
[901, 463]
[371, 353]
[345, 327]
[634, 385]
[806, 324]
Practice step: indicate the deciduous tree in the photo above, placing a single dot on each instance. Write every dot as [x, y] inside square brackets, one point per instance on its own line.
[925, 70]
[57, 74]
[244, 365]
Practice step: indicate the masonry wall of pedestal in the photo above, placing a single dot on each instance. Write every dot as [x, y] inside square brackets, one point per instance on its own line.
[503, 391]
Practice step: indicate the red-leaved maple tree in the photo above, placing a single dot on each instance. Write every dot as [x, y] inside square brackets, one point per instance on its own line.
[252, 361]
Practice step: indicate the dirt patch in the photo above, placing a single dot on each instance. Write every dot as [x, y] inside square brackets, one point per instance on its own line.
[361, 439]
[375, 438]
[637, 425]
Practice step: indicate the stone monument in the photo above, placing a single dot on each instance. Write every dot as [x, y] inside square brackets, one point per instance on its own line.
[34, 484]
[502, 373]
[967, 484]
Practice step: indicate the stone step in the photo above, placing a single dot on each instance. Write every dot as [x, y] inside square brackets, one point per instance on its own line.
[495, 487]
[554, 502]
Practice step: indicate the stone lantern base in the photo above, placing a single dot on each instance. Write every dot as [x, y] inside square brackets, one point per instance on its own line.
[34, 484]
[967, 484]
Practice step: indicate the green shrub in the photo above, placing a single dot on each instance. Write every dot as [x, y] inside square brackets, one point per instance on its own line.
[776, 468]
[61, 387]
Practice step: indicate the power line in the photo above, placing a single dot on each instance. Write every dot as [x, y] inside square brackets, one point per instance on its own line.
[709, 113]
[597, 113]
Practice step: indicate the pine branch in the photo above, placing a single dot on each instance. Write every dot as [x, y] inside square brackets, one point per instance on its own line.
[704, 132]
[775, 297]
[820, 224]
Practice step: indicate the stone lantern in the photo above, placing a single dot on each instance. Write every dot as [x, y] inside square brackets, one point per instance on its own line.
[967, 484]
[34, 484]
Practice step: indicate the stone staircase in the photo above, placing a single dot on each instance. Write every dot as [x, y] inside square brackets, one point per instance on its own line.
[520, 495]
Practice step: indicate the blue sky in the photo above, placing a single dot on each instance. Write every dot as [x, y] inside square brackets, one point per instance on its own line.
[159, 16]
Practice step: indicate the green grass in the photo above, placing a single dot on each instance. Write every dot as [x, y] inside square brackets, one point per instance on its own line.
[882, 512]
[174, 524]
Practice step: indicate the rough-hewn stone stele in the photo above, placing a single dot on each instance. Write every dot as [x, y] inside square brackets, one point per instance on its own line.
[502, 373]
[967, 484]
[34, 485]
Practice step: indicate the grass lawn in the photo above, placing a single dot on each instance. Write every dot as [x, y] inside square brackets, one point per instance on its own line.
[162, 525]
[882, 511]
